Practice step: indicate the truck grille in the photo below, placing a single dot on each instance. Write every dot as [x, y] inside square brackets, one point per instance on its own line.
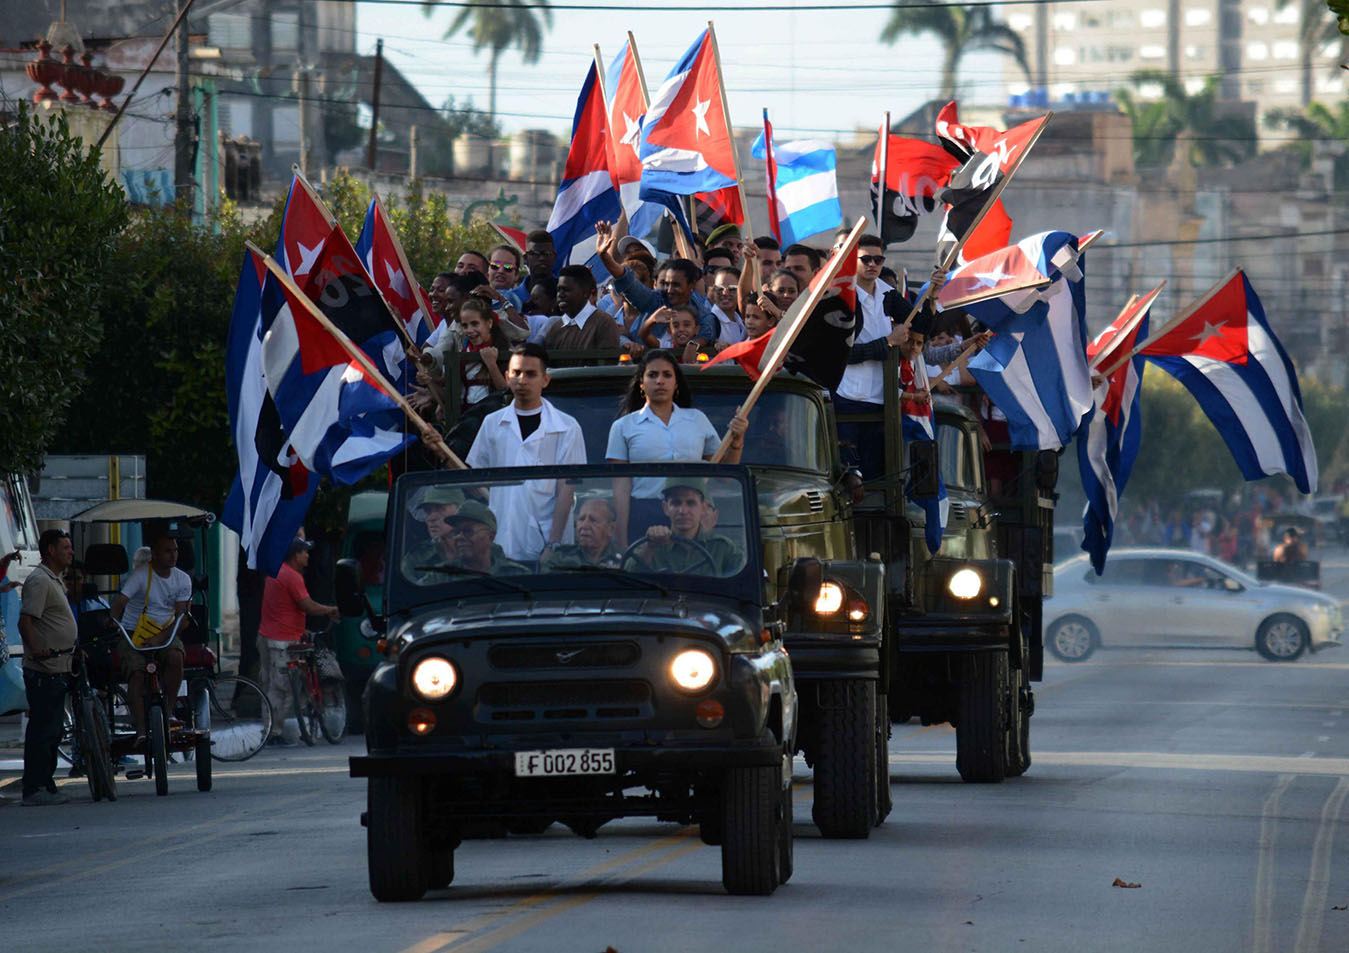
[562, 655]
[564, 700]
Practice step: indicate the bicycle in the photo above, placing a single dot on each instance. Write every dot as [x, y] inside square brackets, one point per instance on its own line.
[90, 745]
[319, 701]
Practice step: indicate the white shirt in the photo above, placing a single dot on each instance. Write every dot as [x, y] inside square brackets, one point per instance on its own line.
[730, 330]
[581, 316]
[642, 437]
[866, 381]
[164, 595]
[525, 513]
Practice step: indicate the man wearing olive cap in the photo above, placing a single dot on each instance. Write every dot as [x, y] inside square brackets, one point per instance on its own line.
[436, 507]
[684, 500]
[473, 530]
[728, 237]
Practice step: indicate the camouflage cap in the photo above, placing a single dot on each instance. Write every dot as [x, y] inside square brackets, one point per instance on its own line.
[692, 483]
[475, 512]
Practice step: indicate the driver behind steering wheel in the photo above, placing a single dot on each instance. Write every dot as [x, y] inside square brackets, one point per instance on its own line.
[684, 502]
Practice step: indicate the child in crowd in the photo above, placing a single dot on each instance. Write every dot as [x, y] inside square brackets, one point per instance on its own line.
[482, 336]
[683, 328]
[762, 314]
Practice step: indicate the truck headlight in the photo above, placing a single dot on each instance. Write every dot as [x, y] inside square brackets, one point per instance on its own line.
[693, 670]
[965, 584]
[830, 599]
[434, 678]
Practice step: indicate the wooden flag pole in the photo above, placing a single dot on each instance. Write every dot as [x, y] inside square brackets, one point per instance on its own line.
[954, 253]
[748, 234]
[786, 334]
[429, 433]
[1142, 307]
[883, 148]
[1173, 323]
[681, 241]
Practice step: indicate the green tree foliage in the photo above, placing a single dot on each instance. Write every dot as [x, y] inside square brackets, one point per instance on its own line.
[498, 25]
[959, 30]
[1315, 30]
[1317, 123]
[59, 218]
[1211, 138]
[1341, 10]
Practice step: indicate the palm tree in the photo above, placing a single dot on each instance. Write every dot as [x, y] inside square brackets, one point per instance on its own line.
[1315, 30]
[960, 30]
[498, 25]
[1317, 123]
[1211, 137]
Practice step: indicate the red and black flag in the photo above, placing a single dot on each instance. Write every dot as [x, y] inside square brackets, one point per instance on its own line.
[915, 172]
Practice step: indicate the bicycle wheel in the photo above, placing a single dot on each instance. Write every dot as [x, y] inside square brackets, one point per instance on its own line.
[68, 748]
[241, 717]
[303, 707]
[158, 742]
[332, 699]
[96, 745]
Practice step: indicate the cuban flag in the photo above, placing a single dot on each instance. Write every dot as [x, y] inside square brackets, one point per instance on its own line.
[1009, 274]
[587, 194]
[1226, 355]
[802, 186]
[625, 91]
[1035, 369]
[341, 422]
[916, 424]
[1107, 444]
[686, 142]
[272, 491]
[380, 252]
[305, 225]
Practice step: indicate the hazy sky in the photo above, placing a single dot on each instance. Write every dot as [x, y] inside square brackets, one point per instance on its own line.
[819, 73]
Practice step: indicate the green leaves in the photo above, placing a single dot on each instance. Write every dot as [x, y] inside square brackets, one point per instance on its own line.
[1211, 135]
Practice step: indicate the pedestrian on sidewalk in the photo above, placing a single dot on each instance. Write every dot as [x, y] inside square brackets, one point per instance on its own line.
[47, 627]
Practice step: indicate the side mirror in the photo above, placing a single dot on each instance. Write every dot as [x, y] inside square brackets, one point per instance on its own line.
[924, 474]
[351, 599]
[1046, 470]
[803, 585]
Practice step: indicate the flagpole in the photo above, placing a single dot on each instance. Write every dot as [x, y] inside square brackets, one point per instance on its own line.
[1143, 305]
[779, 346]
[884, 150]
[429, 433]
[735, 150]
[680, 239]
[954, 253]
[1174, 322]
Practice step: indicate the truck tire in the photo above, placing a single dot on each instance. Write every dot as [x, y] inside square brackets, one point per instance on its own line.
[884, 801]
[845, 763]
[981, 743]
[751, 805]
[397, 855]
[440, 868]
[1018, 722]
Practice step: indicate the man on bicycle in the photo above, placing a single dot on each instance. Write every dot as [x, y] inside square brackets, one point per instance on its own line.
[285, 603]
[161, 593]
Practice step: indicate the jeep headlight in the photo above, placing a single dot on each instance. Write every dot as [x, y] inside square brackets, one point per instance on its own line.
[434, 678]
[830, 599]
[965, 584]
[693, 670]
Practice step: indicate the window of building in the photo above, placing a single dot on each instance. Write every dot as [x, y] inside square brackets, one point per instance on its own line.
[1285, 49]
[1151, 19]
[1154, 51]
[1064, 56]
[1150, 90]
[285, 31]
[1288, 14]
[1198, 16]
[1194, 85]
[1257, 51]
[1120, 18]
[1331, 49]
[286, 125]
[1091, 20]
[230, 31]
[1063, 90]
[1020, 21]
[1259, 15]
[1065, 21]
[1285, 86]
[1331, 84]
[1193, 52]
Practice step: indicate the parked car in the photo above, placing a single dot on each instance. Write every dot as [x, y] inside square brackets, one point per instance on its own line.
[1174, 597]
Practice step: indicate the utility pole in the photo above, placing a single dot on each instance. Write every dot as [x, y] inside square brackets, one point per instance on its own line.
[372, 152]
[183, 132]
[302, 78]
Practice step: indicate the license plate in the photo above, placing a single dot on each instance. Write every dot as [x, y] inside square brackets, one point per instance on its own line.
[564, 761]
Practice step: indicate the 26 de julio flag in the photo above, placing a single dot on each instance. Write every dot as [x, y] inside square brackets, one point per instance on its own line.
[915, 173]
[1227, 356]
[587, 193]
[686, 143]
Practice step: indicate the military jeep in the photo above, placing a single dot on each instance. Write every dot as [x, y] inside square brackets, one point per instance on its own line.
[600, 682]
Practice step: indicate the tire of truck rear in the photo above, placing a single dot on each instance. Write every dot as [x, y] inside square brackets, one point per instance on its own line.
[845, 763]
[884, 801]
[786, 834]
[981, 743]
[397, 854]
[751, 806]
[1018, 723]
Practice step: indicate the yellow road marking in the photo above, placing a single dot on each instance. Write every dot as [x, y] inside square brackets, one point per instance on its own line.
[1262, 941]
[1318, 877]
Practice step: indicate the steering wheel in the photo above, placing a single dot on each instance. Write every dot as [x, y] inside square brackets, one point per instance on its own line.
[703, 555]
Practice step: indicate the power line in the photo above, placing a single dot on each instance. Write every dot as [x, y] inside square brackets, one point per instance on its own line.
[717, 8]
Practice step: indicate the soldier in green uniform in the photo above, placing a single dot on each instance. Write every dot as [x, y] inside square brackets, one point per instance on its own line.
[596, 523]
[437, 505]
[473, 529]
[684, 500]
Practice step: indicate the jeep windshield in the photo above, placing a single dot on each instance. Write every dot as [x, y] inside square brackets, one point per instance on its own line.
[470, 533]
[785, 428]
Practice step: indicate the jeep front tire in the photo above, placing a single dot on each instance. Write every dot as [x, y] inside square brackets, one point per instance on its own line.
[397, 851]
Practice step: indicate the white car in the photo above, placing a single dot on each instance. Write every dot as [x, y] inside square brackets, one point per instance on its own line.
[1172, 597]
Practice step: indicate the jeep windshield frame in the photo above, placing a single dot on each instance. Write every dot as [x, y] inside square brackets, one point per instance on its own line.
[736, 577]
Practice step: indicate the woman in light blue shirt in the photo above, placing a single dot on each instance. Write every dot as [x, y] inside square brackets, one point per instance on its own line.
[657, 422]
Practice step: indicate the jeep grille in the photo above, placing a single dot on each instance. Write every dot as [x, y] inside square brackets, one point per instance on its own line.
[563, 700]
[562, 655]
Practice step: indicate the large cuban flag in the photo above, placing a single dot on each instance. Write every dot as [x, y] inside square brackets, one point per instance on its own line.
[1226, 355]
[1035, 368]
[686, 143]
[587, 194]
[380, 253]
[802, 186]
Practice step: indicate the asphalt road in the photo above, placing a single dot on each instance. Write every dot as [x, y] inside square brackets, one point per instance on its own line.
[1214, 781]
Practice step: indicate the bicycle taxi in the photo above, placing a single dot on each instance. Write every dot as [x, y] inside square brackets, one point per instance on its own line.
[215, 715]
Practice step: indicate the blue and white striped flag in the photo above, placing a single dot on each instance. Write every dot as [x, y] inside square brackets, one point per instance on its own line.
[802, 186]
